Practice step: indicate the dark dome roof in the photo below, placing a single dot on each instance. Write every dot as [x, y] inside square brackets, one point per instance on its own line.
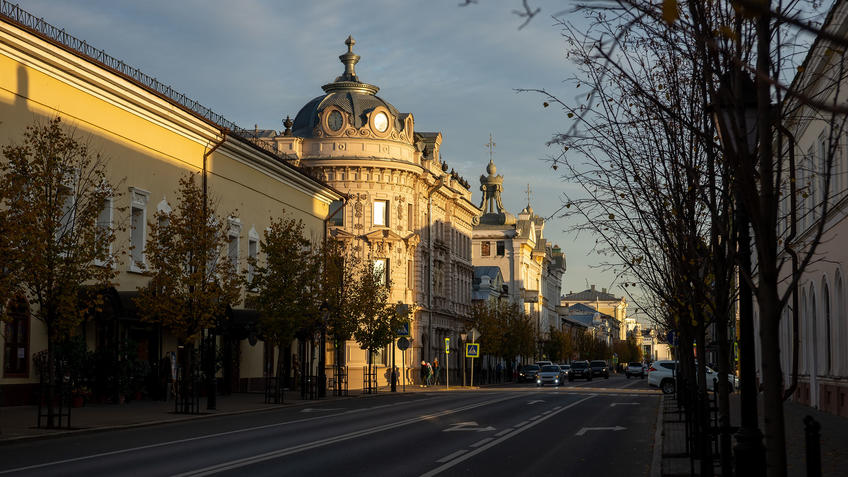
[347, 93]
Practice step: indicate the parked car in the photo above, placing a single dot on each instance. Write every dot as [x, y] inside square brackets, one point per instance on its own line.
[599, 368]
[549, 374]
[528, 372]
[662, 373]
[565, 368]
[543, 363]
[634, 369]
[580, 369]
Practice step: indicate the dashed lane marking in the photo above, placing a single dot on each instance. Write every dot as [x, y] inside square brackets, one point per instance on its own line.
[505, 431]
[534, 418]
[452, 456]
[467, 455]
[482, 441]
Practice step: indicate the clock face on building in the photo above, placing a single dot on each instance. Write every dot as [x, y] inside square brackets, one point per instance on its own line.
[381, 122]
[335, 120]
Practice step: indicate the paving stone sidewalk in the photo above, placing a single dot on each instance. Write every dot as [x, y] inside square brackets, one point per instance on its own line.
[834, 434]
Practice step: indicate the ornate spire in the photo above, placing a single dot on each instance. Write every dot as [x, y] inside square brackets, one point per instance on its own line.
[349, 59]
[348, 81]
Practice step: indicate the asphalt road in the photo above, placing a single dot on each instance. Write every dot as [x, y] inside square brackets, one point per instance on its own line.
[602, 427]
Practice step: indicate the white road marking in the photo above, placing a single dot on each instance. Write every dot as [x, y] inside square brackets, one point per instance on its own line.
[613, 404]
[452, 456]
[521, 423]
[321, 409]
[584, 430]
[631, 384]
[495, 442]
[482, 441]
[505, 431]
[535, 401]
[547, 412]
[468, 426]
[534, 418]
[557, 408]
[243, 462]
[192, 439]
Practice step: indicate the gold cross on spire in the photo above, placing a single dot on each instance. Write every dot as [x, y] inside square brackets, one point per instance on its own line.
[491, 146]
[528, 194]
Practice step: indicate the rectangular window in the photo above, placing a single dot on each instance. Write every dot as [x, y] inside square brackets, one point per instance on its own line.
[104, 226]
[16, 349]
[252, 250]
[138, 226]
[381, 268]
[381, 213]
[337, 213]
[500, 248]
[233, 243]
[410, 220]
[485, 249]
[410, 274]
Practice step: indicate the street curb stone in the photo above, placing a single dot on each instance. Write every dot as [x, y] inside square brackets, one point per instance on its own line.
[656, 461]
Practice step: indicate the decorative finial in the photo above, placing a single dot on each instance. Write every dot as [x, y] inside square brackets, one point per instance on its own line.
[288, 125]
[528, 195]
[491, 146]
[349, 59]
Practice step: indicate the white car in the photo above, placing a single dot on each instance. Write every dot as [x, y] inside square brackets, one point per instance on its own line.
[662, 373]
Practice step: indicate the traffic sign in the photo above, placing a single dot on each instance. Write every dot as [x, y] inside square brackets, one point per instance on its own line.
[402, 343]
[472, 350]
[447, 345]
[403, 330]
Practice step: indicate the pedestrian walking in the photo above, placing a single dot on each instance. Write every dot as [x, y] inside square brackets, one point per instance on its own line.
[424, 373]
[437, 371]
[429, 374]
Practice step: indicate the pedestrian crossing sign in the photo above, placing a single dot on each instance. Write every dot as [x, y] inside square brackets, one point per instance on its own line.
[447, 345]
[472, 350]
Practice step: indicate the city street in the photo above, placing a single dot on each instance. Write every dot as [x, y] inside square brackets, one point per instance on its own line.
[601, 426]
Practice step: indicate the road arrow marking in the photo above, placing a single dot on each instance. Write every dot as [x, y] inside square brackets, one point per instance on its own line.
[624, 404]
[587, 429]
[320, 409]
[537, 401]
[468, 426]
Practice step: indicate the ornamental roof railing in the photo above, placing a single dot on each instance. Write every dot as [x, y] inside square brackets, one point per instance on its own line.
[29, 21]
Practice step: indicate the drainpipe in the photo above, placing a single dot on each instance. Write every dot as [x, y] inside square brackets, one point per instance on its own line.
[322, 357]
[793, 230]
[210, 372]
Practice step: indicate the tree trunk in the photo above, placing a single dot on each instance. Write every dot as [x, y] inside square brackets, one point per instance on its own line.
[772, 380]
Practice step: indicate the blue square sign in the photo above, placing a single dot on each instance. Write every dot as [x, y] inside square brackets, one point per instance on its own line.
[472, 350]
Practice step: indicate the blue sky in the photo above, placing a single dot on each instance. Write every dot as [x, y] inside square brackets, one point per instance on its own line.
[454, 68]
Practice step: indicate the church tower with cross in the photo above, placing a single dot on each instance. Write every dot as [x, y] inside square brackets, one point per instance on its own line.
[513, 251]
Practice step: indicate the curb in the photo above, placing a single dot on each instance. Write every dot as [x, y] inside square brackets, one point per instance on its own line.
[158, 422]
[656, 460]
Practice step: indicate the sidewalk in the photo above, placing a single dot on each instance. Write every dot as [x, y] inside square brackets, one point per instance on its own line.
[19, 422]
[671, 439]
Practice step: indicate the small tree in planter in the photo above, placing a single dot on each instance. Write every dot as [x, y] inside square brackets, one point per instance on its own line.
[191, 280]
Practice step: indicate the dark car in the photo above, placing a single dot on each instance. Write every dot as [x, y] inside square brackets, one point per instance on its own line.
[528, 372]
[580, 369]
[599, 368]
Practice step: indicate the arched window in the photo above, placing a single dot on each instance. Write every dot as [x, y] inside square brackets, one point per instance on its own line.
[803, 318]
[841, 328]
[813, 336]
[827, 337]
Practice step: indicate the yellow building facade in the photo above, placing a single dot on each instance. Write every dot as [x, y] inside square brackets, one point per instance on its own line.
[151, 136]
[405, 212]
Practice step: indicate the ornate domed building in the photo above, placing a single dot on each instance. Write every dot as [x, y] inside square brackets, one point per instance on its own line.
[404, 211]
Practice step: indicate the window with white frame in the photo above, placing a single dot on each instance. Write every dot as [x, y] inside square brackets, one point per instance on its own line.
[138, 226]
[381, 213]
[252, 253]
[233, 243]
[104, 226]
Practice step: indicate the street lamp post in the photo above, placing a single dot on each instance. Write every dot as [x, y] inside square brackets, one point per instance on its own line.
[736, 125]
[463, 336]
[322, 357]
